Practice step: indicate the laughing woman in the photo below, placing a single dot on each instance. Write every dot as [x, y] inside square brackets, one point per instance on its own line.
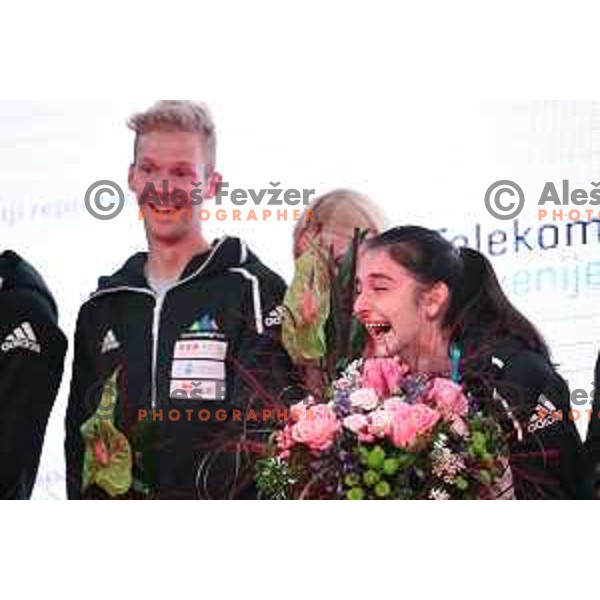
[443, 312]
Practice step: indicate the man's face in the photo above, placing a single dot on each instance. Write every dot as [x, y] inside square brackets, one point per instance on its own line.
[169, 167]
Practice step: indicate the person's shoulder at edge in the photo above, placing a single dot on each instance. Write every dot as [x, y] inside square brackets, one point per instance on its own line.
[20, 280]
[532, 371]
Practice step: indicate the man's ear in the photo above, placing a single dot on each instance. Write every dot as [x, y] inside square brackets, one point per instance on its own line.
[213, 182]
[130, 177]
[435, 300]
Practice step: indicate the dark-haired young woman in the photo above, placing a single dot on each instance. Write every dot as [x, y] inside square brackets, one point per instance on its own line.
[442, 310]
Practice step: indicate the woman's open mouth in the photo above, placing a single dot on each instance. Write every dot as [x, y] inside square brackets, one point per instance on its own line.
[378, 329]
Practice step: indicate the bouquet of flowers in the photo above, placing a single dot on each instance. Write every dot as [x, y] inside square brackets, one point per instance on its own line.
[386, 434]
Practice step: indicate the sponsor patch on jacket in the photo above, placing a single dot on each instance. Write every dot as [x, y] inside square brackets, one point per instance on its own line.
[203, 328]
[198, 362]
[197, 389]
[198, 369]
[207, 349]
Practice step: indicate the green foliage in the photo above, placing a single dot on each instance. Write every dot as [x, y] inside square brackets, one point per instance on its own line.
[391, 466]
[307, 303]
[382, 489]
[275, 479]
[107, 460]
[370, 478]
[376, 457]
[356, 493]
[332, 336]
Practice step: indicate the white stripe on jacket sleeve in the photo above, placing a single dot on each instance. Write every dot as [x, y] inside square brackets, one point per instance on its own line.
[258, 314]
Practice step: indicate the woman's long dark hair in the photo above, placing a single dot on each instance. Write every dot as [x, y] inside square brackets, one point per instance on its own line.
[479, 310]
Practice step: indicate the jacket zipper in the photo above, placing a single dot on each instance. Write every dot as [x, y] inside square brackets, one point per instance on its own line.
[155, 331]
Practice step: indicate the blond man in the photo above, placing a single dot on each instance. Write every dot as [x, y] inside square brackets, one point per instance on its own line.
[184, 333]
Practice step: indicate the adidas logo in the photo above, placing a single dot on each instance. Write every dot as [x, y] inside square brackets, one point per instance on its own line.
[110, 342]
[204, 324]
[22, 337]
[545, 414]
[275, 317]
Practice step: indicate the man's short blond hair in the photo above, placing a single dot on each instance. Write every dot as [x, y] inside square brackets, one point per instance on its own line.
[177, 115]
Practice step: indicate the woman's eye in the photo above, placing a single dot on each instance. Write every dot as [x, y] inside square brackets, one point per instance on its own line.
[380, 289]
[146, 169]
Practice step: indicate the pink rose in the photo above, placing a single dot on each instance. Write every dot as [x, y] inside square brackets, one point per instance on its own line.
[317, 429]
[402, 431]
[383, 375]
[424, 418]
[364, 398]
[459, 427]
[393, 372]
[394, 404]
[359, 425]
[284, 441]
[380, 423]
[302, 409]
[408, 421]
[356, 423]
[448, 398]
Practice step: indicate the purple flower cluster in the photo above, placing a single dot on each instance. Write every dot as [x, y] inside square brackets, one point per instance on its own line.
[415, 387]
[341, 403]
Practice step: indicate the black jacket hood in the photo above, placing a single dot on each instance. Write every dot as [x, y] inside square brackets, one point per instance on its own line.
[225, 253]
[17, 274]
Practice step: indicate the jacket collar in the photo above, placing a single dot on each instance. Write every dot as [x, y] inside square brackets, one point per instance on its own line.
[226, 253]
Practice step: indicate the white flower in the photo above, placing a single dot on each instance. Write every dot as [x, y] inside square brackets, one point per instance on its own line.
[380, 422]
[438, 494]
[446, 464]
[351, 376]
[364, 398]
[356, 423]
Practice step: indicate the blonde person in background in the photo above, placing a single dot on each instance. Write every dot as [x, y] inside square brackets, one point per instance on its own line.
[322, 238]
[330, 220]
